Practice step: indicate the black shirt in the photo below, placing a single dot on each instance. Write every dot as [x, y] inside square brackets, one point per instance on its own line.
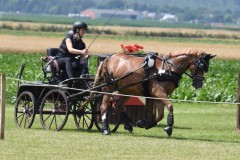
[77, 44]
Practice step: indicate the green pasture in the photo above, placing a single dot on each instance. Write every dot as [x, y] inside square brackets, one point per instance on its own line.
[201, 131]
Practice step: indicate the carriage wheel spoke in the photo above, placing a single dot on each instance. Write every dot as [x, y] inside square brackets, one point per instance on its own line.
[47, 117]
[20, 115]
[56, 121]
[21, 119]
[88, 117]
[25, 121]
[83, 124]
[51, 122]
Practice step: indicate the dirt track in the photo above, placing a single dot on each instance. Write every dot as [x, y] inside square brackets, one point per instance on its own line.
[30, 44]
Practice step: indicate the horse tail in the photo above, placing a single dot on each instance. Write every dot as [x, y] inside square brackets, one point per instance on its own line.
[99, 70]
[97, 77]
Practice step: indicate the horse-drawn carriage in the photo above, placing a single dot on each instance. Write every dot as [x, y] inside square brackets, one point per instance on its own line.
[56, 97]
[152, 76]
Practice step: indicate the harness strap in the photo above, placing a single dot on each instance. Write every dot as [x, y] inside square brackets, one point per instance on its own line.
[114, 81]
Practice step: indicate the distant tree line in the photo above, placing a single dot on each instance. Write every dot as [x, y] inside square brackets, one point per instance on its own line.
[203, 11]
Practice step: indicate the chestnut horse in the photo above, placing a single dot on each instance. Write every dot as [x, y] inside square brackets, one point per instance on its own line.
[152, 76]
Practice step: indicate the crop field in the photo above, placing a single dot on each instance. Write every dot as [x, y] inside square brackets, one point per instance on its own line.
[201, 130]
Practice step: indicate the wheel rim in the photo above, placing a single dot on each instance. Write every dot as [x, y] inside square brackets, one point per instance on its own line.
[24, 112]
[54, 110]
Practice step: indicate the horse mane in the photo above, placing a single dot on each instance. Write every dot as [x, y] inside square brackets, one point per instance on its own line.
[186, 51]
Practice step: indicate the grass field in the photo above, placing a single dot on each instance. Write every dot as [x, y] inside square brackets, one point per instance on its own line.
[201, 131]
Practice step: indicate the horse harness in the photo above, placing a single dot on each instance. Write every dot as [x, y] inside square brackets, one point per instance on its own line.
[164, 74]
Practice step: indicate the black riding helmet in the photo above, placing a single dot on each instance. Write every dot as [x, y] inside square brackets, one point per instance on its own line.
[79, 25]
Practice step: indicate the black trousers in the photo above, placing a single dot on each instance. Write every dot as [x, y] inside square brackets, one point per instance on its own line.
[73, 67]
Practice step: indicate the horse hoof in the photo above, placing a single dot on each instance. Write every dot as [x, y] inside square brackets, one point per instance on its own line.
[168, 130]
[106, 132]
[141, 123]
[128, 127]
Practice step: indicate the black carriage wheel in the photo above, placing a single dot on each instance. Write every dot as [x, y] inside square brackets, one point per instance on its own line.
[112, 115]
[54, 110]
[83, 118]
[24, 112]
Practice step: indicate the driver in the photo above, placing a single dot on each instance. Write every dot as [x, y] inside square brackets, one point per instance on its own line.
[72, 47]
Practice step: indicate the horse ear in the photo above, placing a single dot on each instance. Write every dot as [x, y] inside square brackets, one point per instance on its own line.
[209, 56]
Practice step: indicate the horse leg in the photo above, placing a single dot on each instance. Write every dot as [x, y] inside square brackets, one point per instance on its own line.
[159, 106]
[142, 122]
[149, 120]
[124, 118]
[170, 118]
[150, 110]
[103, 110]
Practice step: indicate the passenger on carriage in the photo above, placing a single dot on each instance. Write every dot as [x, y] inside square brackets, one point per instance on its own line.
[71, 48]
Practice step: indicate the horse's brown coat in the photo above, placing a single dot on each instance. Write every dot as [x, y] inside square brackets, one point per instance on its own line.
[120, 64]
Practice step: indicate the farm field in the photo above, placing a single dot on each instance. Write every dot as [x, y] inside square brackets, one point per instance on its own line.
[210, 135]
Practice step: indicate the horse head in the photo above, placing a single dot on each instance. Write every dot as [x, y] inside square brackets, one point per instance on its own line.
[198, 67]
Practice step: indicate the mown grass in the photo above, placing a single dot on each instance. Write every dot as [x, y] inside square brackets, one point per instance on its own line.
[201, 131]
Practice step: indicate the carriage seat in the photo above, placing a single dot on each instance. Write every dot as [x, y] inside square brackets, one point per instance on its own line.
[50, 65]
[52, 51]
